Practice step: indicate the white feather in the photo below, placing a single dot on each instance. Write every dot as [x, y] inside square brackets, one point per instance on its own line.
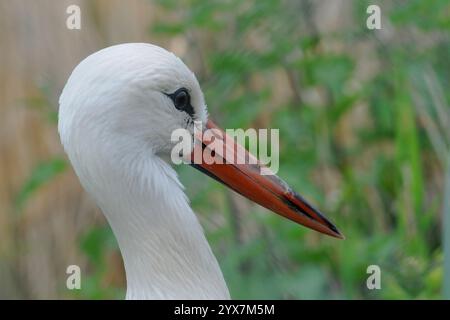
[115, 122]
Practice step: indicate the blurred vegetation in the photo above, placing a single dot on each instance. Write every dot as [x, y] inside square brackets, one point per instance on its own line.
[364, 133]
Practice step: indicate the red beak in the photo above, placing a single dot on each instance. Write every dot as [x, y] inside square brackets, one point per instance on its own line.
[268, 191]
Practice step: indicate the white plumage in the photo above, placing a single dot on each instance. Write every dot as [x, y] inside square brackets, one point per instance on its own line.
[114, 123]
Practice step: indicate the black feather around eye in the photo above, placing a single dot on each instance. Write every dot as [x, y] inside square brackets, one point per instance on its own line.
[182, 101]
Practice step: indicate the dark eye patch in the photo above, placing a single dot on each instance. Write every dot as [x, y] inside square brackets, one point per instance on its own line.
[182, 101]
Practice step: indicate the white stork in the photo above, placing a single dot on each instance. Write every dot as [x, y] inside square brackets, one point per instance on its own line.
[116, 115]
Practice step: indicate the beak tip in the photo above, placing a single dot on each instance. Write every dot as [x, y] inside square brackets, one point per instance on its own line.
[334, 232]
[337, 234]
[340, 236]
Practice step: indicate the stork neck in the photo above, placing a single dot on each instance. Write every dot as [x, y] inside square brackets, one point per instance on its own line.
[165, 252]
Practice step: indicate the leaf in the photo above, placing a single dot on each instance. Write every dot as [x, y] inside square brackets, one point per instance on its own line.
[96, 242]
[43, 173]
[171, 29]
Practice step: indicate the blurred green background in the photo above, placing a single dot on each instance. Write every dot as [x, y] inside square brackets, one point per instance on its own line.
[364, 122]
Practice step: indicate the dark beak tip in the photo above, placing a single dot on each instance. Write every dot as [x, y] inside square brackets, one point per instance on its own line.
[337, 233]
[334, 232]
[340, 236]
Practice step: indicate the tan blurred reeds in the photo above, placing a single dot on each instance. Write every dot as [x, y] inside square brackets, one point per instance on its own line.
[37, 50]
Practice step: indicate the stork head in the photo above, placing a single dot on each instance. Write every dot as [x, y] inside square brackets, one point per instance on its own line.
[133, 95]
[122, 103]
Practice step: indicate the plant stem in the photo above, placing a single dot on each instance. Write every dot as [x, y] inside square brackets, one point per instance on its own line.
[446, 231]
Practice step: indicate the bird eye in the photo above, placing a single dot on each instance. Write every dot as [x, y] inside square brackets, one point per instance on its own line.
[182, 101]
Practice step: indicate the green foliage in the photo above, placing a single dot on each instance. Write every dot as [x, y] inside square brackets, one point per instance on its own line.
[380, 200]
[43, 173]
[42, 101]
[428, 15]
[98, 244]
